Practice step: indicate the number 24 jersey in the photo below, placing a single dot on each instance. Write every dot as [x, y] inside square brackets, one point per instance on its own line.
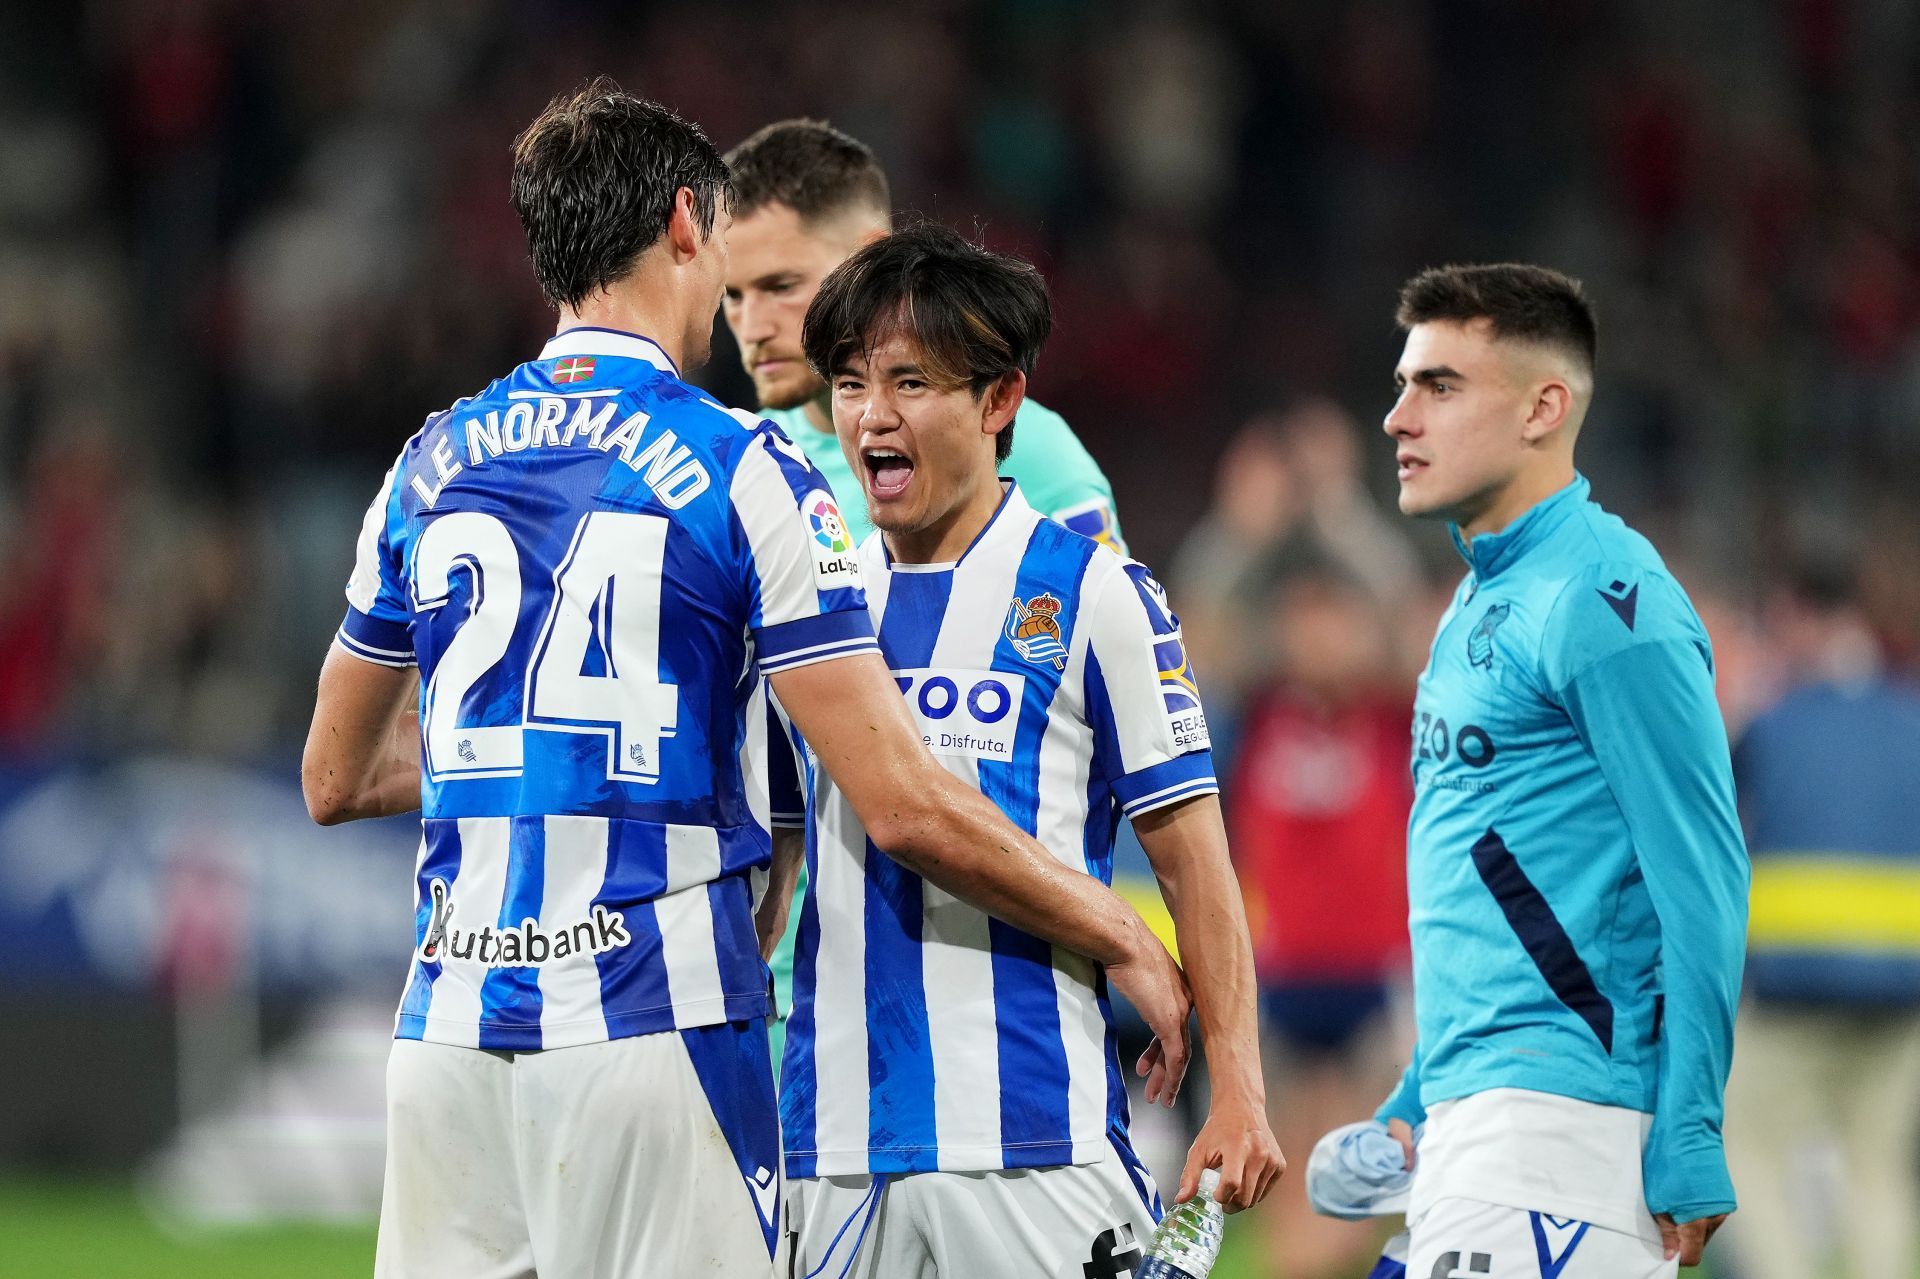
[593, 564]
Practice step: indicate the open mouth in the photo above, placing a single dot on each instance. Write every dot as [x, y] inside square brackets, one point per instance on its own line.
[1410, 467]
[888, 472]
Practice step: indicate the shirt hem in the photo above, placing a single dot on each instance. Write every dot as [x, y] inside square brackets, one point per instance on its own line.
[521, 1037]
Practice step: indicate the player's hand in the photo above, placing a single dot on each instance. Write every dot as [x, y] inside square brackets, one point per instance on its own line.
[1154, 985]
[1401, 1131]
[1688, 1240]
[1237, 1140]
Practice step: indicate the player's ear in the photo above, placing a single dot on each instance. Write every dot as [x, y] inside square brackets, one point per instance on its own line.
[1551, 409]
[683, 232]
[1002, 401]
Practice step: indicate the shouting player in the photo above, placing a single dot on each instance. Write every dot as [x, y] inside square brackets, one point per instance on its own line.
[951, 1101]
[593, 565]
[805, 196]
[1576, 876]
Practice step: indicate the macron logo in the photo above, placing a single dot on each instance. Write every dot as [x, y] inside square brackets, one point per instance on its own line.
[1623, 600]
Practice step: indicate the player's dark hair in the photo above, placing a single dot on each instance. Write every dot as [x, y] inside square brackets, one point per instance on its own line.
[594, 181]
[975, 315]
[809, 166]
[1520, 302]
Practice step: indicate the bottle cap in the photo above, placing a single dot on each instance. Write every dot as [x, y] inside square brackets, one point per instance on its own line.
[1210, 1183]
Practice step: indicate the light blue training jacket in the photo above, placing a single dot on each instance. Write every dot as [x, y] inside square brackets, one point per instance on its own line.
[1577, 880]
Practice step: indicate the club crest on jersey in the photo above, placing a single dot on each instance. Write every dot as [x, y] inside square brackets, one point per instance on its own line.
[578, 368]
[834, 566]
[1034, 628]
[1480, 641]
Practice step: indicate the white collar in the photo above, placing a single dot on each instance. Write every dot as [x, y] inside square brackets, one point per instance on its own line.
[589, 340]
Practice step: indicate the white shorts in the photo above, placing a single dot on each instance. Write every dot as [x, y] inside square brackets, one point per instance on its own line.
[645, 1156]
[1466, 1239]
[1067, 1222]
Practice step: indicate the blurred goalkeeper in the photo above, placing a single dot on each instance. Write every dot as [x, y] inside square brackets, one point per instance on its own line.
[1576, 876]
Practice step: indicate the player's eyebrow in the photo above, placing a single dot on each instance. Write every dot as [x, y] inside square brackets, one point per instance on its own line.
[1428, 376]
[772, 279]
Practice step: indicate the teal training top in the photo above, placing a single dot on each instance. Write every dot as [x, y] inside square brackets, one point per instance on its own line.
[1056, 474]
[1577, 881]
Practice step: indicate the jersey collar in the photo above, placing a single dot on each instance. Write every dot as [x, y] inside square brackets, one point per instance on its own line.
[1491, 553]
[586, 339]
[1013, 518]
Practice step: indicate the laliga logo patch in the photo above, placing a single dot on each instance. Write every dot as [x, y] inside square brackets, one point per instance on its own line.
[834, 567]
[1034, 628]
[1181, 694]
[828, 528]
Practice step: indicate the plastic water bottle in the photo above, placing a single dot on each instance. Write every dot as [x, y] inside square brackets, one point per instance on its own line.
[1188, 1241]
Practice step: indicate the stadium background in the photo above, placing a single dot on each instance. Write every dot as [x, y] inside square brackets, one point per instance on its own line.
[245, 248]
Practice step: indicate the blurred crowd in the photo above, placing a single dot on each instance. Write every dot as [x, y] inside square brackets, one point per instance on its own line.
[244, 249]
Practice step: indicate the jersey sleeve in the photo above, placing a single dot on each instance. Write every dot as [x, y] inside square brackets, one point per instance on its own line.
[1150, 730]
[805, 600]
[1060, 478]
[379, 608]
[1645, 708]
[786, 773]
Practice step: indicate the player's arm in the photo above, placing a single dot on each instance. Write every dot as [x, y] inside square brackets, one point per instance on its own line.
[852, 715]
[1187, 844]
[770, 920]
[1402, 1112]
[1647, 712]
[363, 748]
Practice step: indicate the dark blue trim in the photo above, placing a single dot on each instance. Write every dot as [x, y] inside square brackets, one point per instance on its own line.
[780, 643]
[1549, 1267]
[1192, 774]
[1542, 936]
[379, 636]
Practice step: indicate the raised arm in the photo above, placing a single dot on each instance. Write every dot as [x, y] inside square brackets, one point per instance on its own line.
[363, 748]
[1187, 844]
[852, 715]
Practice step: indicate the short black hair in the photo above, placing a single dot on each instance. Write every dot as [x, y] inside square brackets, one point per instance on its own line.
[594, 180]
[812, 168]
[976, 315]
[1520, 302]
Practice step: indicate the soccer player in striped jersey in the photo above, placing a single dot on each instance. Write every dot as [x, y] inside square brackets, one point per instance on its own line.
[951, 1099]
[805, 197]
[594, 566]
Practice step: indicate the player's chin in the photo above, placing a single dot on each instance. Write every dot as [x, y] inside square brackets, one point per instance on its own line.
[786, 390]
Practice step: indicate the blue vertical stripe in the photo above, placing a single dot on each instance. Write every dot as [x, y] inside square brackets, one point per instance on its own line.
[512, 995]
[799, 1067]
[442, 862]
[1035, 1115]
[633, 979]
[899, 1046]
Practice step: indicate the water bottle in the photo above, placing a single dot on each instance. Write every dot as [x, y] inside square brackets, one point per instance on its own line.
[1188, 1241]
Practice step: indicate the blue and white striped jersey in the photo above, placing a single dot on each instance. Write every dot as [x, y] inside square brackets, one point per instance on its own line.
[593, 564]
[1047, 670]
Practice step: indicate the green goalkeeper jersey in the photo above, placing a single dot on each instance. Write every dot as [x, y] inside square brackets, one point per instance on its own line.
[1057, 476]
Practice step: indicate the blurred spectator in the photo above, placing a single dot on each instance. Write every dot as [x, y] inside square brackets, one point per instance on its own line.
[1290, 488]
[1829, 1040]
[1317, 812]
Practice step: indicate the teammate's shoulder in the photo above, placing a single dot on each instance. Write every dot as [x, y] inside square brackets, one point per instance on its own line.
[1042, 436]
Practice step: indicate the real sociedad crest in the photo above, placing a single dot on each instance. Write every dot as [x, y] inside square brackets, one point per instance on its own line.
[1480, 642]
[1034, 628]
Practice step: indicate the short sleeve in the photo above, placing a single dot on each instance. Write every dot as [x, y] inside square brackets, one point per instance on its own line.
[1150, 730]
[379, 611]
[805, 599]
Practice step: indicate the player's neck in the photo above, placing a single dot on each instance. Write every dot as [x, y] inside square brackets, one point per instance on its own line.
[629, 310]
[1526, 491]
[815, 411]
[947, 538]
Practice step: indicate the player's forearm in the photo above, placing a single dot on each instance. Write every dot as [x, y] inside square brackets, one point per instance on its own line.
[362, 757]
[1187, 846]
[1649, 716]
[953, 836]
[770, 920]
